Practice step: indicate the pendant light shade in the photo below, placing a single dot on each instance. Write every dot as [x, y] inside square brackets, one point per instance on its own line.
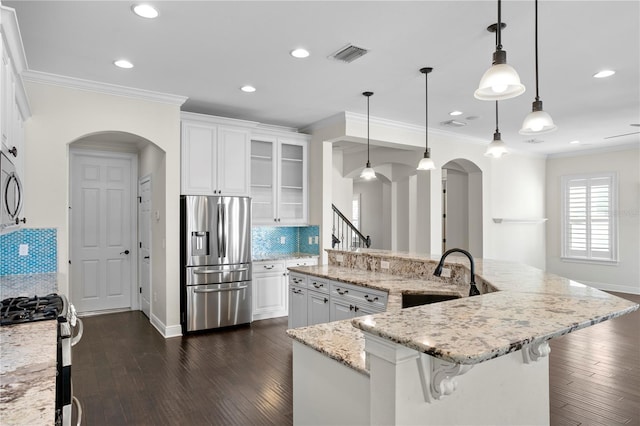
[426, 163]
[368, 173]
[537, 121]
[497, 148]
[501, 81]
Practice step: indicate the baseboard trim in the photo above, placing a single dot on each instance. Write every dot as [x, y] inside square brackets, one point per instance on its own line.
[166, 331]
[613, 287]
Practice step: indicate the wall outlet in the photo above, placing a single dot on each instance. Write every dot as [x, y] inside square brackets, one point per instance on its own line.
[339, 258]
[283, 240]
[316, 238]
[23, 250]
[310, 240]
[384, 264]
[446, 273]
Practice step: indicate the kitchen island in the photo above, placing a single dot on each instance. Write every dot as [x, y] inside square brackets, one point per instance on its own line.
[478, 360]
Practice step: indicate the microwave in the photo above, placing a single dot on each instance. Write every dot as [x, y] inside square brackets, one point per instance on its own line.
[11, 194]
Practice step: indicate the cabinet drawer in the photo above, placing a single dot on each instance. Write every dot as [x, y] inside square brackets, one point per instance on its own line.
[361, 296]
[298, 280]
[268, 267]
[317, 284]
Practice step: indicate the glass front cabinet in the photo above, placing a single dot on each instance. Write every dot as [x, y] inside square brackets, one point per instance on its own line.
[279, 180]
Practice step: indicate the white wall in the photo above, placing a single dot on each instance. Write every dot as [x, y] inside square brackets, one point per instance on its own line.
[624, 276]
[370, 211]
[342, 187]
[62, 115]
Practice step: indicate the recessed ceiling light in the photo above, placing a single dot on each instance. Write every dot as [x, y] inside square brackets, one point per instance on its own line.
[604, 73]
[300, 53]
[455, 113]
[145, 11]
[123, 63]
[574, 142]
[248, 89]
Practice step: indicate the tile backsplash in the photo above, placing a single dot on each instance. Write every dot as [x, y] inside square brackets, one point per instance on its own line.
[39, 252]
[268, 240]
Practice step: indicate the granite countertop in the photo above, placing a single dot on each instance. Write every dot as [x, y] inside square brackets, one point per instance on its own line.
[28, 354]
[28, 373]
[275, 256]
[526, 305]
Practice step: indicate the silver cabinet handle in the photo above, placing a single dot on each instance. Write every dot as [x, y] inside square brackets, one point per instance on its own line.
[76, 402]
[78, 336]
[215, 290]
[219, 271]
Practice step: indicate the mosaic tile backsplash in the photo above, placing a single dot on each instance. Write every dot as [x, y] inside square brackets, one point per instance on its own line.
[267, 240]
[41, 247]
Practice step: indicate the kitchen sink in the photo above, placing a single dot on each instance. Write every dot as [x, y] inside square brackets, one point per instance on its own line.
[409, 300]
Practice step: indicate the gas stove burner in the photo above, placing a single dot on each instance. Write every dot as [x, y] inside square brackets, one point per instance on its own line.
[18, 310]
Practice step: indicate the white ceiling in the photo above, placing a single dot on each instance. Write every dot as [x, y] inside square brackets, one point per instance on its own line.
[206, 50]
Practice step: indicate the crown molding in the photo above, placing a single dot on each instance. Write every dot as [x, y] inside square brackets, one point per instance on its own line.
[218, 120]
[106, 88]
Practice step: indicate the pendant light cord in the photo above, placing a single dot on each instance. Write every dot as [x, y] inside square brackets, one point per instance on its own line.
[499, 38]
[537, 95]
[368, 131]
[426, 112]
[497, 131]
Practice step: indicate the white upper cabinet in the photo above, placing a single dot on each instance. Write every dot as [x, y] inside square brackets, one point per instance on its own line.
[14, 106]
[215, 156]
[279, 179]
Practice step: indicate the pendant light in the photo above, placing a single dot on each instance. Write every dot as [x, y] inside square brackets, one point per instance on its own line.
[368, 173]
[537, 121]
[426, 163]
[501, 81]
[496, 148]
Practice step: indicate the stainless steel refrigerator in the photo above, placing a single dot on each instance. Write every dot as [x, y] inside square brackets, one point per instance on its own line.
[216, 262]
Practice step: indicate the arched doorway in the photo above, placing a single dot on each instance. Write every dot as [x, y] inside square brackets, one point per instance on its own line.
[462, 206]
[110, 226]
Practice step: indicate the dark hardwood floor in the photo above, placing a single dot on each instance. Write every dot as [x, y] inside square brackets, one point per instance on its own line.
[125, 373]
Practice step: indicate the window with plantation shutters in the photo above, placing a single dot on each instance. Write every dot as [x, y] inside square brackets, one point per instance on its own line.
[588, 221]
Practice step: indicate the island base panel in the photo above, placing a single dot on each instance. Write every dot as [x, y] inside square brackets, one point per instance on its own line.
[326, 392]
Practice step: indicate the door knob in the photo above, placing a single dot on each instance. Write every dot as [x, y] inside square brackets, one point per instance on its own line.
[124, 252]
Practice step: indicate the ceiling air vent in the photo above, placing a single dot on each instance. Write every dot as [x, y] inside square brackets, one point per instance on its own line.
[533, 141]
[349, 53]
[453, 123]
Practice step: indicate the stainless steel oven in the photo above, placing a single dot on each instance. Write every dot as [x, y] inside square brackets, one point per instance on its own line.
[10, 194]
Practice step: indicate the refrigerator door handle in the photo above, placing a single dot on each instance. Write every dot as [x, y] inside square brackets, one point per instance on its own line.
[220, 232]
[219, 271]
[215, 290]
[223, 238]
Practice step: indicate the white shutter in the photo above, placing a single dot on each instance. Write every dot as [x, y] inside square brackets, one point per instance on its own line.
[588, 217]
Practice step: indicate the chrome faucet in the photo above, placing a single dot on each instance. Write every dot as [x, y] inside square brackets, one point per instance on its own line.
[473, 290]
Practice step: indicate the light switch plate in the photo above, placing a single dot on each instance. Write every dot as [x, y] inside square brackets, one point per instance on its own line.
[310, 240]
[283, 240]
[339, 258]
[316, 237]
[24, 249]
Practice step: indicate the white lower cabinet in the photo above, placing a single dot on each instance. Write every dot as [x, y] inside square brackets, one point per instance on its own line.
[271, 286]
[269, 290]
[322, 300]
[297, 301]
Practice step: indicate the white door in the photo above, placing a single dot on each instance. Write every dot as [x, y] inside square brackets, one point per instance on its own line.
[102, 230]
[144, 254]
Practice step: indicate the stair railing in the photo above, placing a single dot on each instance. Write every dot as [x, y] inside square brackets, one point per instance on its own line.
[345, 235]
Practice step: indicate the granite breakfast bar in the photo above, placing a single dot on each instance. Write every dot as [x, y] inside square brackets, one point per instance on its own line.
[477, 360]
